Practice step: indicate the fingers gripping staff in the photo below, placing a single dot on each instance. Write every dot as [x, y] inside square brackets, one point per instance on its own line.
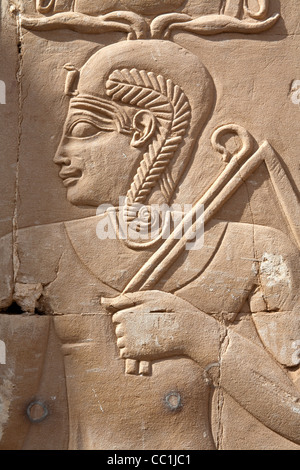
[127, 314]
[149, 325]
[114, 306]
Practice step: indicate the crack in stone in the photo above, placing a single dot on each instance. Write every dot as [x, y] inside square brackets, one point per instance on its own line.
[254, 249]
[16, 260]
[224, 343]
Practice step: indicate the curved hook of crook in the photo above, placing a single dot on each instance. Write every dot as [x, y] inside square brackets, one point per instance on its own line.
[245, 137]
[262, 11]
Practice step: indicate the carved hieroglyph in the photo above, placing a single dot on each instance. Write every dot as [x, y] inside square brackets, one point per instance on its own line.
[150, 241]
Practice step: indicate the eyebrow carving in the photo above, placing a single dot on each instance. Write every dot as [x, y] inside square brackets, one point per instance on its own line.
[102, 110]
[88, 118]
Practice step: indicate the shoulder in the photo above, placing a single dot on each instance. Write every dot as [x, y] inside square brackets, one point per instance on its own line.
[39, 249]
[274, 239]
[29, 257]
[263, 238]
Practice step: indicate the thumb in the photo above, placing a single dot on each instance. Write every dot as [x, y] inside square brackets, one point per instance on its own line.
[114, 304]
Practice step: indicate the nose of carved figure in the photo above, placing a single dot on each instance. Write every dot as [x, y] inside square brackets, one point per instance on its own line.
[61, 157]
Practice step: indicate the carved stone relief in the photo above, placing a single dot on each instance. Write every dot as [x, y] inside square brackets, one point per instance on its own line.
[150, 246]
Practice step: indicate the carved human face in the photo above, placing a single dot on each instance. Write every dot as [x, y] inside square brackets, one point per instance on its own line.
[96, 157]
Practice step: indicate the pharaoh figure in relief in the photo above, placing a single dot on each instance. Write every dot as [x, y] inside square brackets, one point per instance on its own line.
[150, 330]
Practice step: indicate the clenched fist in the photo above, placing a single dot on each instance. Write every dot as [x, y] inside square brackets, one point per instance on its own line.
[153, 324]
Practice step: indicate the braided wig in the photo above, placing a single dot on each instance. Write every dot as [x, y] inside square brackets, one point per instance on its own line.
[168, 103]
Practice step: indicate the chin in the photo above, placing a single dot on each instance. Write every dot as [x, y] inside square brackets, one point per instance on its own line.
[79, 199]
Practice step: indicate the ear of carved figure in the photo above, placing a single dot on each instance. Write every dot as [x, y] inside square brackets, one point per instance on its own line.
[144, 126]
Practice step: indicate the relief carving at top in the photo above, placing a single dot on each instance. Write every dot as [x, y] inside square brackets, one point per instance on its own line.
[228, 7]
[234, 16]
[139, 6]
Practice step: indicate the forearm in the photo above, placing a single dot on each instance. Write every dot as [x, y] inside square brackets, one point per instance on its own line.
[202, 338]
[280, 334]
[251, 376]
[248, 373]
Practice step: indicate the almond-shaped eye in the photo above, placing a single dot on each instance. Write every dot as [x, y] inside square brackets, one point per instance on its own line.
[83, 129]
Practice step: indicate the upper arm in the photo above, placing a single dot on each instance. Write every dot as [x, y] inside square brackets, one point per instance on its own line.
[278, 269]
[276, 302]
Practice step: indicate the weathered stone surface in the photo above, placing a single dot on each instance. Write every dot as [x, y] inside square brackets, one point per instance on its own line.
[120, 327]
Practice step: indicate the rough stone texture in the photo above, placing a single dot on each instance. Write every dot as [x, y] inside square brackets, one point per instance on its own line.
[142, 343]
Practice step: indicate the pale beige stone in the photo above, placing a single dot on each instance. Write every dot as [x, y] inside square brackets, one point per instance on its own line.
[142, 342]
